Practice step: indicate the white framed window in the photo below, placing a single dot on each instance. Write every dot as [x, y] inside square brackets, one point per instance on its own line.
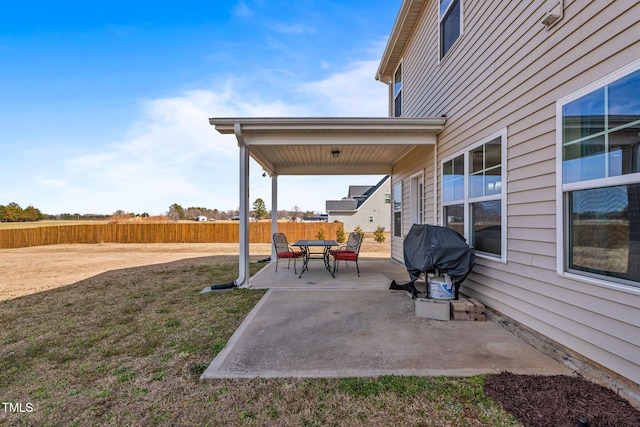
[417, 199]
[397, 92]
[598, 163]
[450, 24]
[397, 210]
[473, 195]
[453, 194]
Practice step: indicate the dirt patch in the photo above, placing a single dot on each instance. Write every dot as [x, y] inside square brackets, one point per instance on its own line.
[560, 401]
[35, 269]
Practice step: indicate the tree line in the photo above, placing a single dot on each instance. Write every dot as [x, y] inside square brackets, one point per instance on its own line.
[14, 213]
[177, 212]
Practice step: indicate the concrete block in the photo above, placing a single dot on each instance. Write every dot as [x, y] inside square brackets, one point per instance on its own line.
[458, 306]
[473, 317]
[432, 309]
[459, 315]
[479, 307]
[468, 309]
[462, 305]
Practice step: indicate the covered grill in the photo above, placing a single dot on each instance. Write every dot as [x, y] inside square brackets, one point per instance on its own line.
[430, 249]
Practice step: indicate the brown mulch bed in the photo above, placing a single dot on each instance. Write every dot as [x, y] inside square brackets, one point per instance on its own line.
[559, 401]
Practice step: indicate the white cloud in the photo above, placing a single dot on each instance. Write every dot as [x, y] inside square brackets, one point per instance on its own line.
[54, 182]
[242, 10]
[293, 29]
[171, 154]
[352, 92]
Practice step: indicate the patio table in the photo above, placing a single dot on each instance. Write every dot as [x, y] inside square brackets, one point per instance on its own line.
[306, 245]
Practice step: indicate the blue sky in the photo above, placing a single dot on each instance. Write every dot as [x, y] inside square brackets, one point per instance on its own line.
[105, 105]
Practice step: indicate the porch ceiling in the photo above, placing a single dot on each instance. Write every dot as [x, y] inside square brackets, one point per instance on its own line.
[304, 146]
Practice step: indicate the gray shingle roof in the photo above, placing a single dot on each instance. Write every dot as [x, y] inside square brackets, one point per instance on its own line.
[342, 205]
[358, 194]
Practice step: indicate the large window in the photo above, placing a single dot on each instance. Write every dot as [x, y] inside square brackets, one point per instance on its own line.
[417, 199]
[450, 18]
[453, 193]
[473, 194]
[604, 231]
[397, 92]
[600, 179]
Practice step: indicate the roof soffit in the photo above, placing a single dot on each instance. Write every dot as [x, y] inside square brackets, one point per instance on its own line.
[306, 146]
[403, 28]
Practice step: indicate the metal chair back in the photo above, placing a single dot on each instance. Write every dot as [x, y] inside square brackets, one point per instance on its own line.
[280, 243]
[354, 242]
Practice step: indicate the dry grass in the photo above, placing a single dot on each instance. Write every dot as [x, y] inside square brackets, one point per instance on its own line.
[34, 269]
[127, 347]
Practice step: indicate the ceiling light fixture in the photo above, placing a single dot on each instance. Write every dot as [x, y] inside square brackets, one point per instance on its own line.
[335, 153]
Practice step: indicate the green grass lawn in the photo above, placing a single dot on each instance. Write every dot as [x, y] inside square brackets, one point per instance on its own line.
[127, 348]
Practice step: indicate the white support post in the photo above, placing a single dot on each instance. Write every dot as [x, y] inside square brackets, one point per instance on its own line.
[274, 212]
[243, 279]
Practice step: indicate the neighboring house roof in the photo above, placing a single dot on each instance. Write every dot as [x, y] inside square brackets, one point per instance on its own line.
[356, 191]
[358, 195]
[341, 205]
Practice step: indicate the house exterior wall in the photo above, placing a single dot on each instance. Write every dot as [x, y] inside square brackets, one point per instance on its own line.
[418, 162]
[375, 206]
[507, 71]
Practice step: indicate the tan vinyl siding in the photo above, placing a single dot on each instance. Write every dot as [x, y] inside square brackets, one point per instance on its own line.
[507, 71]
[429, 176]
[419, 160]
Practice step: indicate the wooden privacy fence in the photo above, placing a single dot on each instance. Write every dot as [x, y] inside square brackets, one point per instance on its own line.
[259, 232]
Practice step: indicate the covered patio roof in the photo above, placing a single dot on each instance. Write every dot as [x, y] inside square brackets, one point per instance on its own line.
[330, 145]
[319, 146]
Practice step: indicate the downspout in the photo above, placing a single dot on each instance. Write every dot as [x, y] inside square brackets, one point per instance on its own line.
[243, 263]
[435, 184]
[389, 93]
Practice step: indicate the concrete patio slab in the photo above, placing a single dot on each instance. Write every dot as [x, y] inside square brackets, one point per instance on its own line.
[374, 274]
[345, 329]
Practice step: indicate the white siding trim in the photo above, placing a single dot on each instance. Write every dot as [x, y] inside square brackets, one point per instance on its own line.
[414, 198]
[619, 287]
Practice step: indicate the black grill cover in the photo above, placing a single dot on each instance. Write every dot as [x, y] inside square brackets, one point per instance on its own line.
[428, 248]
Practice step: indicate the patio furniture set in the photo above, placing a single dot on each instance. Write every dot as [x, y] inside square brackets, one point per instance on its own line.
[307, 250]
